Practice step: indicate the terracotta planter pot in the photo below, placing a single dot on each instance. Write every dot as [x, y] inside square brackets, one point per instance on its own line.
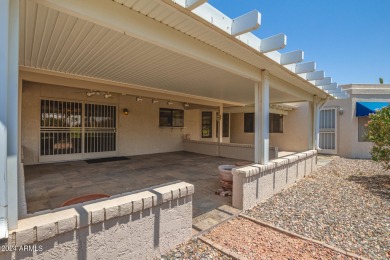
[84, 198]
[226, 176]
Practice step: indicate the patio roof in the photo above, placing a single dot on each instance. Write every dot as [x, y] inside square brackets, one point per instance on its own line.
[156, 44]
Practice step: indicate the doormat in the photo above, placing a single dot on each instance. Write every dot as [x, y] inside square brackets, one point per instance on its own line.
[109, 159]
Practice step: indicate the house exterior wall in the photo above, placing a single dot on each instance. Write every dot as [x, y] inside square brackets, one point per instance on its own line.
[347, 132]
[138, 132]
[295, 130]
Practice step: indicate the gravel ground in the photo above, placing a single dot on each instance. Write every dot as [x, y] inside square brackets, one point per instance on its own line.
[345, 203]
[195, 249]
[254, 241]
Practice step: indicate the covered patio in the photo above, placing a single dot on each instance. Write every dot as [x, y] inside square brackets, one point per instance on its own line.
[97, 78]
[48, 186]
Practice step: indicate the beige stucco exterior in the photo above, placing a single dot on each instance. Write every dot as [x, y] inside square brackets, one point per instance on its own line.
[138, 132]
[347, 124]
[296, 125]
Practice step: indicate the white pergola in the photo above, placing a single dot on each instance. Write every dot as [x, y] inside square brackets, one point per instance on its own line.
[185, 47]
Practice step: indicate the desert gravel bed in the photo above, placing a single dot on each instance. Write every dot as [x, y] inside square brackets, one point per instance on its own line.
[254, 241]
[195, 249]
[345, 204]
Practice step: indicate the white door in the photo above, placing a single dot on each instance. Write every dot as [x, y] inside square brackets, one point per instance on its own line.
[328, 133]
[72, 130]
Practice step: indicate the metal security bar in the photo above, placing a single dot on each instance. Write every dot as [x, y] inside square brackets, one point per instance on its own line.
[76, 130]
[61, 127]
[100, 128]
[327, 134]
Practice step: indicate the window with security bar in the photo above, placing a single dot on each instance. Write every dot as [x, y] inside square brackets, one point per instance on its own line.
[61, 123]
[71, 128]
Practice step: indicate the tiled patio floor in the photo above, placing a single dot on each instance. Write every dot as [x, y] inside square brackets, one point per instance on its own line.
[49, 185]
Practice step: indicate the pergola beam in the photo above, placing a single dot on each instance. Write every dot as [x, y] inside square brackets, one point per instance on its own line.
[323, 82]
[190, 4]
[291, 57]
[305, 67]
[331, 86]
[246, 23]
[316, 75]
[273, 43]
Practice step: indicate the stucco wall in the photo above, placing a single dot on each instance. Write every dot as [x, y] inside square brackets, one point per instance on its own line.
[347, 131]
[255, 183]
[139, 225]
[138, 132]
[295, 130]
[237, 134]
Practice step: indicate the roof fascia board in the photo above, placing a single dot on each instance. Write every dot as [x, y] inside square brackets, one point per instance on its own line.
[143, 28]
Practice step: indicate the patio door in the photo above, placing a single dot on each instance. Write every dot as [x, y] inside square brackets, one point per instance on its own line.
[76, 130]
[99, 130]
[328, 133]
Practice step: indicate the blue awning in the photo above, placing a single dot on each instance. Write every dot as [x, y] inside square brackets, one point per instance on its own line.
[366, 108]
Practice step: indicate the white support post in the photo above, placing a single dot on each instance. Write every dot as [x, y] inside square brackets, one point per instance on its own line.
[220, 123]
[4, 28]
[310, 125]
[316, 123]
[262, 119]
[9, 116]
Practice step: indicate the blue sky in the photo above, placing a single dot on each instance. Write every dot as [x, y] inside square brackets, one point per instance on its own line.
[348, 39]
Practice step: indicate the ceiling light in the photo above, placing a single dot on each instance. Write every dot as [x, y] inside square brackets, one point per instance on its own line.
[138, 99]
[169, 103]
[91, 93]
[154, 100]
[186, 105]
[107, 95]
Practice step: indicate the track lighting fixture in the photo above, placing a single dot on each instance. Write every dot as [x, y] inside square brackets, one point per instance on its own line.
[138, 99]
[154, 100]
[169, 103]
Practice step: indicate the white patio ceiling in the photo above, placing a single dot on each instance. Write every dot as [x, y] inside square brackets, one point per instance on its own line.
[57, 41]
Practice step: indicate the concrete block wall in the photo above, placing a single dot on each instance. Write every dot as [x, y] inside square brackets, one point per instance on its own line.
[255, 183]
[139, 225]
